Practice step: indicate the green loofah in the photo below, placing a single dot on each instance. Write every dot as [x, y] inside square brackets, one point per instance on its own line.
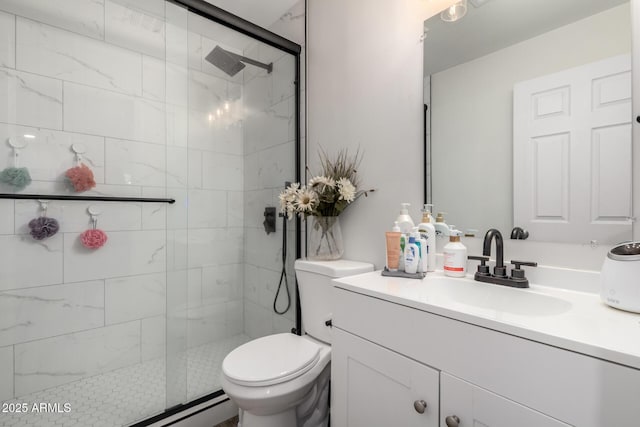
[18, 177]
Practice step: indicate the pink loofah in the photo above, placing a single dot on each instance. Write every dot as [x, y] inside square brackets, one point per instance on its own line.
[81, 178]
[93, 239]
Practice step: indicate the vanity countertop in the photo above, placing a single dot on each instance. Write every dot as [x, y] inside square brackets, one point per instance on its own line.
[576, 321]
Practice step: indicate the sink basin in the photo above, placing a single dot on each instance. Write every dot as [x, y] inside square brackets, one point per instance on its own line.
[485, 296]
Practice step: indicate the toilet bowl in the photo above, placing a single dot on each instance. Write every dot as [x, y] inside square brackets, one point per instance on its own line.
[282, 380]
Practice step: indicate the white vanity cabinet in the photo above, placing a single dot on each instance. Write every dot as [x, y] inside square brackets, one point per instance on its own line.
[388, 356]
[464, 404]
[373, 386]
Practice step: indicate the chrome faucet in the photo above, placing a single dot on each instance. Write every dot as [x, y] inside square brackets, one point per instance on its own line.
[499, 276]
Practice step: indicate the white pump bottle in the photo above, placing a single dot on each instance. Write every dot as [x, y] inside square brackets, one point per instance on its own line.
[428, 233]
[404, 220]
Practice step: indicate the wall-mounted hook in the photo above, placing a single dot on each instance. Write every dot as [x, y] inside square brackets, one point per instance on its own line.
[17, 144]
[94, 212]
[79, 150]
[44, 205]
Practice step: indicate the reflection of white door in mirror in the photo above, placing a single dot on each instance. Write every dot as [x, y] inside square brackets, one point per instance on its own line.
[470, 116]
[572, 153]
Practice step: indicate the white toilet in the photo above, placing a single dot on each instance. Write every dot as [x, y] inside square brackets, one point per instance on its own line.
[282, 380]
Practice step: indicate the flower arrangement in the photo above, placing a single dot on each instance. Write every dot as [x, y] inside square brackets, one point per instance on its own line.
[325, 197]
[328, 194]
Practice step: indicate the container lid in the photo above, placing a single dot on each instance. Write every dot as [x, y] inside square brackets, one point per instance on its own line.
[625, 252]
[270, 360]
[335, 269]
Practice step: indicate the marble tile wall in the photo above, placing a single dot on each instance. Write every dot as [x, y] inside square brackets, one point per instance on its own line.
[269, 161]
[127, 80]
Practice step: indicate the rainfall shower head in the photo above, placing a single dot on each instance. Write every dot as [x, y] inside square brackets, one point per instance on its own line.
[225, 61]
[232, 63]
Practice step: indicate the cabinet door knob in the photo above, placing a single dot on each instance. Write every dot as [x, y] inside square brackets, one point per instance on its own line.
[420, 406]
[452, 421]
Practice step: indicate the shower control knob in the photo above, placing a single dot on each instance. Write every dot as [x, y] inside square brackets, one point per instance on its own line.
[452, 421]
[420, 406]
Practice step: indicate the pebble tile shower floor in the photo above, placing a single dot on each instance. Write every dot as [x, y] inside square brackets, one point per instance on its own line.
[126, 395]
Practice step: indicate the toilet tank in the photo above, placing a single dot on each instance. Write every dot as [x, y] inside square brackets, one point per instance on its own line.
[314, 284]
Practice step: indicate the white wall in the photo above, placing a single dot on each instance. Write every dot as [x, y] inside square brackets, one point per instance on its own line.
[365, 90]
[472, 114]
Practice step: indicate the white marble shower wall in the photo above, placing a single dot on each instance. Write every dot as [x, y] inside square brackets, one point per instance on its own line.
[126, 80]
[269, 143]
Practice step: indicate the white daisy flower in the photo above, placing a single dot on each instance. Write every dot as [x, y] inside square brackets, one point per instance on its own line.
[327, 181]
[288, 198]
[347, 190]
[307, 198]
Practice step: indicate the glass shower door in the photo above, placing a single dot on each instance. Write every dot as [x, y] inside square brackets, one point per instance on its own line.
[133, 90]
[238, 97]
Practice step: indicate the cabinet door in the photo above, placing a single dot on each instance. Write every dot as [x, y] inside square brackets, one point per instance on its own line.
[376, 387]
[474, 406]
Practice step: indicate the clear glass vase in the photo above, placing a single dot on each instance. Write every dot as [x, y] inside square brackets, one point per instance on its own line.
[325, 238]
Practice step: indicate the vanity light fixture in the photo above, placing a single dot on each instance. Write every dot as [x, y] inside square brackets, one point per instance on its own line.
[454, 12]
[478, 3]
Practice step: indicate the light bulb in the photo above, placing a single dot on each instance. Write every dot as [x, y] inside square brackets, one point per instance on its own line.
[455, 12]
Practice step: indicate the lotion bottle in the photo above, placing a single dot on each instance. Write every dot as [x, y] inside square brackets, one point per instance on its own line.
[428, 233]
[411, 256]
[404, 220]
[455, 256]
[422, 246]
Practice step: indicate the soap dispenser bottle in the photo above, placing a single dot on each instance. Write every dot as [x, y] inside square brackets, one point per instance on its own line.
[428, 233]
[404, 220]
[455, 256]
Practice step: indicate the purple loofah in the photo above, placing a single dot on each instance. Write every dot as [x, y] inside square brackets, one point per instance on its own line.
[43, 227]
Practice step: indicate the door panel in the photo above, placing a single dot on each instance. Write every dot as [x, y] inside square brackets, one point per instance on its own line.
[478, 407]
[572, 153]
[373, 386]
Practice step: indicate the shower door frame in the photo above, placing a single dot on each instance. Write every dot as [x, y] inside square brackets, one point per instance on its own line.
[236, 23]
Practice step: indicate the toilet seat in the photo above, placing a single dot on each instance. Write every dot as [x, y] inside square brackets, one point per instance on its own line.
[270, 360]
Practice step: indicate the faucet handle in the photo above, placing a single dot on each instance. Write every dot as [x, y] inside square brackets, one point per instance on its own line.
[519, 263]
[483, 268]
[517, 272]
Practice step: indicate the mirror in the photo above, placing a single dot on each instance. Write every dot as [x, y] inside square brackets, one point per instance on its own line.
[528, 119]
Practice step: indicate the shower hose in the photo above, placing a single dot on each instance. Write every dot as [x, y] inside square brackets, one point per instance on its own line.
[283, 274]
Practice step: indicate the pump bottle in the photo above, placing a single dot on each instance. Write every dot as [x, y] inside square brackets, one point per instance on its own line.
[428, 233]
[404, 220]
[455, 256]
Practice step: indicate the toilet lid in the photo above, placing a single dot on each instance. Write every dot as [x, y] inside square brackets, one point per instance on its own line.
[270, 360]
